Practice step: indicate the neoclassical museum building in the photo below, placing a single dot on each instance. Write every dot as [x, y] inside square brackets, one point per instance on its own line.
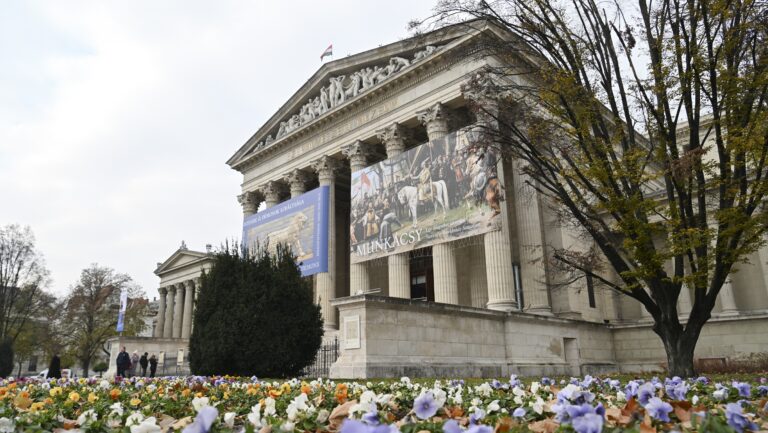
[428, 252]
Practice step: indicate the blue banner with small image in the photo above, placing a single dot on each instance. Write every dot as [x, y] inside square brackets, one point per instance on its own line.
[300, 223]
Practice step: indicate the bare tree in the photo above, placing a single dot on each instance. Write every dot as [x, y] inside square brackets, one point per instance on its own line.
[646, 126]
[23, 276]
[91, 311]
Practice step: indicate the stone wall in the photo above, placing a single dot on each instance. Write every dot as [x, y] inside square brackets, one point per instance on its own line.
[400, 337]
[152, 346]
[639, 349]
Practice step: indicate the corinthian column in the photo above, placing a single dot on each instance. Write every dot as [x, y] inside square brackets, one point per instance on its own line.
[168, 325]
[297, 180]
[393, 138]
[178, 311]
[435, 119]
[186, 323]
[727, 300]
[478, 283]
[326, 168]
[250, 202]
[531, 239]
[357, 153]
[498, 251]
[160, 313]
[272, 191]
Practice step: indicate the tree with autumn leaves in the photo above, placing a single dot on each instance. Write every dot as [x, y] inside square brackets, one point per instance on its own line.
[645, 126]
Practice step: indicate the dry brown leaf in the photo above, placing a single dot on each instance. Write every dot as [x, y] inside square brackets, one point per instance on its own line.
[682, 414]
[504, 425]
[339, 414]
[183, 422]
[266, 429]
[544, 426]
[647, 428]
[631, 405]
[165, 421]
[454, 412]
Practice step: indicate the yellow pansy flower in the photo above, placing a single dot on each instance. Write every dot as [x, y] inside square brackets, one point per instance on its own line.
[74, 396]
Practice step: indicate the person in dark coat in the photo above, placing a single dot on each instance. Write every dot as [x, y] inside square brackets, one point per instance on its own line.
[54, 369]
[143, 362]
[123, 362]
[152, 365]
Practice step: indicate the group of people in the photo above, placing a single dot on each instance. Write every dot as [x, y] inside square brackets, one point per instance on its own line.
[442, 178]
[128, 365]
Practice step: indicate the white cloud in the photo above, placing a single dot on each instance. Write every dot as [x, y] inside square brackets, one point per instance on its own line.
[116, 117]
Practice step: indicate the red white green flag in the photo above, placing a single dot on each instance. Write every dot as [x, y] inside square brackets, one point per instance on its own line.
[328, 52]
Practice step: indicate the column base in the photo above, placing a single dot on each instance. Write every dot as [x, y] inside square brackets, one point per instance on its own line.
[502, 306]
[541, 311]
[728, 313]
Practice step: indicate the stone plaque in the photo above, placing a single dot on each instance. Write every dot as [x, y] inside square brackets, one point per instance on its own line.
[180, 357]
[352, 332]
[161, 358]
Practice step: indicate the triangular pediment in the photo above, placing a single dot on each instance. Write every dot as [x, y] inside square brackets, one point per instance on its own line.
[181, 258]
[356, 75]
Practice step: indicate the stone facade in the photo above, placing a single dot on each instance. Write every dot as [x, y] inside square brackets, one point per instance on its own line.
[492, 306]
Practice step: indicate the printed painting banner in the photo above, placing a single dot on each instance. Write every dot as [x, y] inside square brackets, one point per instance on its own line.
[440, 191]
[301, 223]
[121, 313]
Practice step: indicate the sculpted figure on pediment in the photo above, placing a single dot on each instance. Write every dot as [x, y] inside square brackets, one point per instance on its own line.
[282, 129]
[306, 114]
[397, 64]
[368, 77]
[426, 52]
[355, 85]
[268, 140]
[317, 109]
[337, 90]
[325, 102]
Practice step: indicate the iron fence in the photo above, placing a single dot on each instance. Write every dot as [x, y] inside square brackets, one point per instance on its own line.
[325, 357]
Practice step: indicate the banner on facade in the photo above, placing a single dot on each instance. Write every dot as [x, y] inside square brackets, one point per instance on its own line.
[121, 313]
[300, 223]
[437, 192]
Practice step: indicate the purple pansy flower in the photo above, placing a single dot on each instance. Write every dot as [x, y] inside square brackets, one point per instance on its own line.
[203, 421]
[658, 409]
[645, 393]
[588, 423]
[451, 426]
[736, 419]
[519, 412]
[425, 405]
[745, 390]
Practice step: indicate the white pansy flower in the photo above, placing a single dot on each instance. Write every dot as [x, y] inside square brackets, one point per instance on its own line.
[535, 386]
[367, 397]
[229, 419]
[695, 400]
[720, 394]
[518, 400]
[269, 406]
[493, 407]
[287, 426]
[485, 389]
[538, 405]
[322, 416]
[620, 396]
[199, 403]
[148, 425]
[7, 425]
[255, 416]
[134, 419]
[440, 396]
[87, 417]
[104, 384]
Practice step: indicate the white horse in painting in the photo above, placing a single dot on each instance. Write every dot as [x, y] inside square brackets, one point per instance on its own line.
[409, 195]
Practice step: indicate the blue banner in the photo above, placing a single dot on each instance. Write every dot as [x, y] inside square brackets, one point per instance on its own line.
[301, 223]
[121, 313]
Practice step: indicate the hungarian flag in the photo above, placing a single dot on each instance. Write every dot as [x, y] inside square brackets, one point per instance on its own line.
[328, 52]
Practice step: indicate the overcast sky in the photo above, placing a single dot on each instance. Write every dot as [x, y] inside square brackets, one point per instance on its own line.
[117, 117]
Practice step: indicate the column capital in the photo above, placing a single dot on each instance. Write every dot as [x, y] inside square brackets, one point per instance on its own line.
[172, 289]
[162, 291]
[189, 285]
[393, 137]
[297, 179]
[483, 90]
[435, 119]
[272, 191]
[249, 200]
[326, 168]
[358, 154]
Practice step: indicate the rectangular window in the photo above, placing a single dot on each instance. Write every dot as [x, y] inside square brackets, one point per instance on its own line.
[32, 363]
[591, 291]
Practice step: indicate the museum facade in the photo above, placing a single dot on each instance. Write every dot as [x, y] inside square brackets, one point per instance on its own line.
[428, 251]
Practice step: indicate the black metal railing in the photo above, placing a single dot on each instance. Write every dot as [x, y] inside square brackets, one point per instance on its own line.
[325, 357]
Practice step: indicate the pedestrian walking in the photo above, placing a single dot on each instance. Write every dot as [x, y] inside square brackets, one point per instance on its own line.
[123, 362]
[54, 368]
[134, 363]
[143, 362]
[152, 365]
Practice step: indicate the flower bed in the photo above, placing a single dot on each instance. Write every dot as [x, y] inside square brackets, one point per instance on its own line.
[224, 404]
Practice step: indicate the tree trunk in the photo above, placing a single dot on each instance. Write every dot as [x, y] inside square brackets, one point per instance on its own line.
[679, 346]
[86, 363]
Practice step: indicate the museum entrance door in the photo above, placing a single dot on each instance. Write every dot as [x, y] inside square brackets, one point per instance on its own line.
[422, 281]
